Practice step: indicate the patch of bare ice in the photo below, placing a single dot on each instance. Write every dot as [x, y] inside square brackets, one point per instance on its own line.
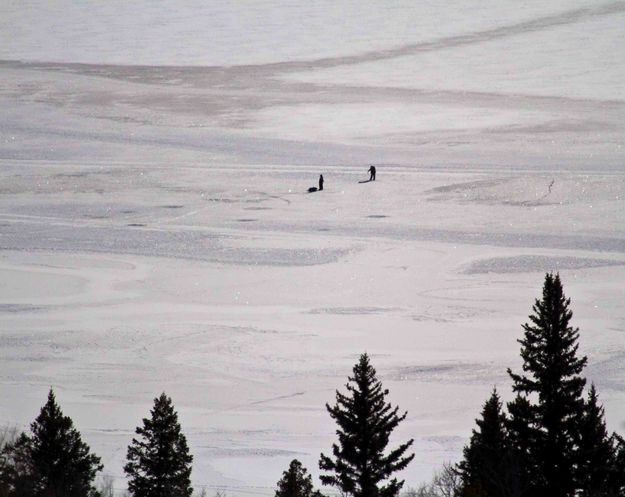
[19, 308]
[535, 263]
[453, 371]
[191, 244]
[349, 311]
[248, 452]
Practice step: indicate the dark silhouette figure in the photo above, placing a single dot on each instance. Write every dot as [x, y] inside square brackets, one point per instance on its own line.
[313, 189]
[372, 172]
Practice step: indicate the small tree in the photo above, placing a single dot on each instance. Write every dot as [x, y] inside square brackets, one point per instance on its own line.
[488, 468]
[549, 405]
[445, 483]
[365, 422]
[8, 437]
[616, 479]
[596, 450]
[295, 482]
[159, 463]
[52, 461]
[522, 438]
[106, 487]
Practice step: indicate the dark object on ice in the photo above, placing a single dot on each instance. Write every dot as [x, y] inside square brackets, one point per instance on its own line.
[313, 189]
[371, 172]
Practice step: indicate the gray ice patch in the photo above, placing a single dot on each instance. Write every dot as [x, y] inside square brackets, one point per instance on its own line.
[351, 311]
[18, 308]
[535, 263]
[182, 244]
[449, 372]
[224, 452]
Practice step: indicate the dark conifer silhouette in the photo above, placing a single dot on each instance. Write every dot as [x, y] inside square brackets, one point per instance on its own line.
[51, 461]
[596, 451]
[522, 441]
[295, 482]
[488, 468]
[616, 479]
[159, 463]
[549, 405]
[365, 422]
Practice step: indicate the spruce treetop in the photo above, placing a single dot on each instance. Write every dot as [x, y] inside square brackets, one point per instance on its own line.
[59, 452]
[159, 463]
[544, 418]
[52, 460]
[596, 450]
[549, 347]
[296, 482]
[491, 424]
[617, 473]
[487, 469]
[365, 422]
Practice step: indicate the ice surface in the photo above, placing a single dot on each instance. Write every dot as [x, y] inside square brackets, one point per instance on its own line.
[534, 263]
[194, 32]
[522, 58]
[156, 233]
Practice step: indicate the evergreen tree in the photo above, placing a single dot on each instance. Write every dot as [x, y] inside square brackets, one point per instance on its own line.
[616, 478]
[52, 461]
[159, 463]
[549, 405]
[8, 437]
[295, 482]
[596, 451]
[488, 468]
[522, 440]
[365, 422]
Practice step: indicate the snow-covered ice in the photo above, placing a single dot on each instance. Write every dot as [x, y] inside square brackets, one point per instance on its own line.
[156, 233]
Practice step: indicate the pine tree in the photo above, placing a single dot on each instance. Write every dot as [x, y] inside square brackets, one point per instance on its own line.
[52, 461]
[295, 482]
[159, 463]
[522, 441]
[365, 422]
[549, 403]
[488, 468]
[8, 437]
[616, 479]
[596, 451]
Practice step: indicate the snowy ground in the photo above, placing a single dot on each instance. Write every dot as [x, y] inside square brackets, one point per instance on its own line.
[155, 233]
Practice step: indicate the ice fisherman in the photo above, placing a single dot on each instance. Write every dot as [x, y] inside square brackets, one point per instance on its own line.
[372, 172]
[320, 182]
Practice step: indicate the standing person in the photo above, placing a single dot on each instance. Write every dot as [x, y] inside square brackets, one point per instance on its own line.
[372, 172]
[320, 182]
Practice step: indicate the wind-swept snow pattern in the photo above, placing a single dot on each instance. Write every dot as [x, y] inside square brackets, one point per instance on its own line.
[156, 232]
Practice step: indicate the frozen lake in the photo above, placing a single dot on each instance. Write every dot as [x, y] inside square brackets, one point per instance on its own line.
[155, 233]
